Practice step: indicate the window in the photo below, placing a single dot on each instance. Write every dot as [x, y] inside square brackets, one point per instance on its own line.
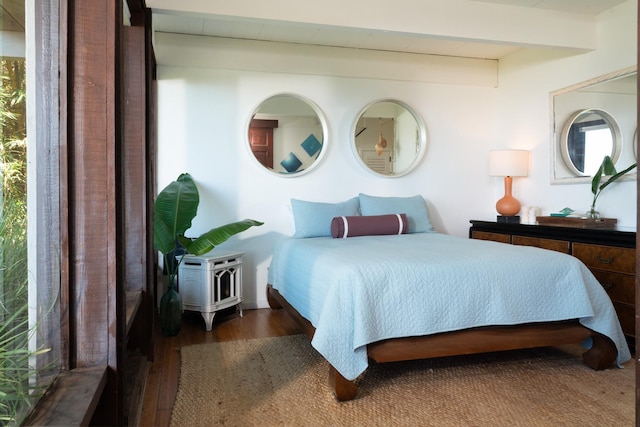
[30, 255]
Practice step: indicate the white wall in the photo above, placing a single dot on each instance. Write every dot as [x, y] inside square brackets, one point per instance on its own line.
[204, 104]
[524, 111]
[12, 43]
[202, 124]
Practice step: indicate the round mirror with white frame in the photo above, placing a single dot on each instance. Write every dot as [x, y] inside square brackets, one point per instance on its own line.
[286, 134]
[389, 138]
[587, 137]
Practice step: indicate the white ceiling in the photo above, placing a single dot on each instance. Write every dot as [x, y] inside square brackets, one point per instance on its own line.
[466, 28]
[581, 6]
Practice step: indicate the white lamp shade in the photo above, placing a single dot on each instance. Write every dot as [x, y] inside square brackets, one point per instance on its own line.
[508, 162]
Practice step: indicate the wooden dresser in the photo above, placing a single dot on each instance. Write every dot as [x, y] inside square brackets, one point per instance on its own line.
[609, 254]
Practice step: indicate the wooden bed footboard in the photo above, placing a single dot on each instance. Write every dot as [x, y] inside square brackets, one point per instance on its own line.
[600, 356]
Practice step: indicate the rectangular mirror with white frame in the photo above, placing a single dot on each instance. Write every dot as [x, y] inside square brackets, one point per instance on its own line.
[590, 120]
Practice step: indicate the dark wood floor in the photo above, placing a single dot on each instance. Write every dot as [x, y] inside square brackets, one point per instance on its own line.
[162, 383]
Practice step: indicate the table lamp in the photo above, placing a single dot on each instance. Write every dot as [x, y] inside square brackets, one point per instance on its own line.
[508, 163]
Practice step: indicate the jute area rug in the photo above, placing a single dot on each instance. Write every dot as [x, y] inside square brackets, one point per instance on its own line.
[284, 382]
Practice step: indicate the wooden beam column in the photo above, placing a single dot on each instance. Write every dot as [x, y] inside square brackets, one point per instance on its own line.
[95, 283]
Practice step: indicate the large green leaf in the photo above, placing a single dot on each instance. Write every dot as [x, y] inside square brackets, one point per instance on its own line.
[173, 211]
[595, 181]
[216, 236]
[606, 168]
[617, 175]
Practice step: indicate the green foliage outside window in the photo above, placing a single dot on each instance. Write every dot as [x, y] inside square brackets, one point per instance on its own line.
[15, 356]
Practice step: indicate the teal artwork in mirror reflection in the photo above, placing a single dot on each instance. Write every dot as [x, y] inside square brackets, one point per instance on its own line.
[311, 145]
[291, 163]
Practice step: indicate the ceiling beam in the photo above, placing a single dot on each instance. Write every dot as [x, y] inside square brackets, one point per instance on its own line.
[250, 55]
[455, 20]
[12, 15]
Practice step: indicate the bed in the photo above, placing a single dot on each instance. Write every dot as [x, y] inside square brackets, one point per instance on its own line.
[420, 294]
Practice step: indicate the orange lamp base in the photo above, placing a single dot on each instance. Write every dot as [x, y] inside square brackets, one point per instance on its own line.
[508, 205]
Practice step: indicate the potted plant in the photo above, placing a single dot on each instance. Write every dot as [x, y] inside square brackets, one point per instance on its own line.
[174, 209]
[608, 169]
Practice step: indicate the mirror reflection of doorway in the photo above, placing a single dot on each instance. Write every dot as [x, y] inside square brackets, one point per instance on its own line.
[261, 140]
[376, 162]
[369, 132]
[394, 133]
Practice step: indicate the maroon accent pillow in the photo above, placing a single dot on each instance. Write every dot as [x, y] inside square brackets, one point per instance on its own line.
[372, 225]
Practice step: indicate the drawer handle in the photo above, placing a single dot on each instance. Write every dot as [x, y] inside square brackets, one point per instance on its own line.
[607, 260]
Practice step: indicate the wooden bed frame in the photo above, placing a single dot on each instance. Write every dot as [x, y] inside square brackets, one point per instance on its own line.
[600, 356]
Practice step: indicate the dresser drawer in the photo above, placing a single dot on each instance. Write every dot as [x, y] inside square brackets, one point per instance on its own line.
[554, 245]
[627, 316]
[620, 287]
[622, 260]
[496, 237]
[609, 255]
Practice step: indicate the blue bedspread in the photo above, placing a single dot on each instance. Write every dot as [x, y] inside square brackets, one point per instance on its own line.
[360, 290]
